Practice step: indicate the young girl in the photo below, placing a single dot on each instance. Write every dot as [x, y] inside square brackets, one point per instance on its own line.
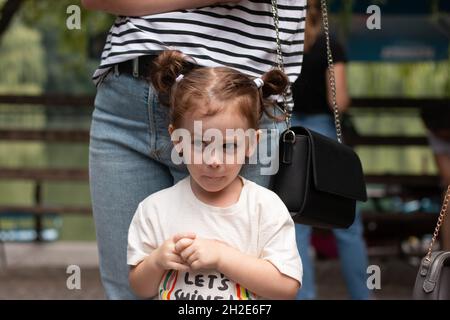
[225, 237]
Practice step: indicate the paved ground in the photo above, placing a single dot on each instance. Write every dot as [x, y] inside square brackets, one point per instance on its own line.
[39, 272]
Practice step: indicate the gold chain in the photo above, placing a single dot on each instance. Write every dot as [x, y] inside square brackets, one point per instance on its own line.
[332, 79]
[439, 223]
[276, 22]
[280, 64]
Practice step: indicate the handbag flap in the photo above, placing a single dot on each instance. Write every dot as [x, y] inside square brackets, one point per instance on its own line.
[336, 167]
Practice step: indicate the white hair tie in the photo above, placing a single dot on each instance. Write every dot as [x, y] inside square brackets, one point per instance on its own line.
[259, 82]
[179, 78]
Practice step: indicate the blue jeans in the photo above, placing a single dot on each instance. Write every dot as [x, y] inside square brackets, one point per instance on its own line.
[350, 242]
[129, 159]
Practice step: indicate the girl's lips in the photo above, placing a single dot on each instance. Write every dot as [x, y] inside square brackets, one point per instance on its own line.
[212, 178]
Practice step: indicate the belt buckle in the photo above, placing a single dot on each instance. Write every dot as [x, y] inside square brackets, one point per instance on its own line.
[136, 67]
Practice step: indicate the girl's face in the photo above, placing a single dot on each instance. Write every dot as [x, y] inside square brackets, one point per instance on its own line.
[217, 148]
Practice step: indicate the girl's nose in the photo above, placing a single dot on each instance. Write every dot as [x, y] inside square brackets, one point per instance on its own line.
[214, 159]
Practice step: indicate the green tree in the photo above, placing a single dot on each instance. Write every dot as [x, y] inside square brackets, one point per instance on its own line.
[70, 61]
[22, 61]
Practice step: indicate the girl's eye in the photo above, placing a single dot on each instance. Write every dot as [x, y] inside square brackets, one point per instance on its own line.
[198, 144]
[230, 147]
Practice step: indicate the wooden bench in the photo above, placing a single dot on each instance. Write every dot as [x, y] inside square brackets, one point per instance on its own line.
[47, 135]
[54, 103]
[413, 186]
[38, 209]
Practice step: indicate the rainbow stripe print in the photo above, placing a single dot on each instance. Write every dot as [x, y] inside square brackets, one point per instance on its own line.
[169, 282]
[244, 294]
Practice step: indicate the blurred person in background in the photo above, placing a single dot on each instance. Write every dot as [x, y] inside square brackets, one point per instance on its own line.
[313, 109]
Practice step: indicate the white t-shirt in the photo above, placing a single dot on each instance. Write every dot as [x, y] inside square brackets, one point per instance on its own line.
[258, 224]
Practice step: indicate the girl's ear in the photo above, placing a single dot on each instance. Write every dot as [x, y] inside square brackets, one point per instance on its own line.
[253, 143]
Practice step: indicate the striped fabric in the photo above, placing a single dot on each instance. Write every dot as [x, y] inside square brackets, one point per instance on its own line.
[240, 35]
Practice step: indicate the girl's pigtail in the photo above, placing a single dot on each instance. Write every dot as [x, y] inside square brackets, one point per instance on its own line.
[165, 70]
[275, 83]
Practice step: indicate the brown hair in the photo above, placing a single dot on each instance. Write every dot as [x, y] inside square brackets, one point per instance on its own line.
[207, 84]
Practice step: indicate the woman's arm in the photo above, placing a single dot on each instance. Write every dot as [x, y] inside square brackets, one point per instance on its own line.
[147, 7]
[342, 96]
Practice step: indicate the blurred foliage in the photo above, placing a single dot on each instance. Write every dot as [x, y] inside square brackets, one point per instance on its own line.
[70, 57]
[50, 15]
[412, 80]
[22, 61]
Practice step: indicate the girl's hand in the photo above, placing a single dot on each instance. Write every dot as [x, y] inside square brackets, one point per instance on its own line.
[167, 258]
[201, 253]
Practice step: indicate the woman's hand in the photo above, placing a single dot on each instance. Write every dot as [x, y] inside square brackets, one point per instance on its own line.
[200, 253]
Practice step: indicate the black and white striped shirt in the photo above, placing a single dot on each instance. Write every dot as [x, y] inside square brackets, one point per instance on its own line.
[241, 36]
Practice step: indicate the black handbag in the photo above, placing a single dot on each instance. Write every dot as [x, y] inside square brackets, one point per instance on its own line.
[319, 179]
[433, 277]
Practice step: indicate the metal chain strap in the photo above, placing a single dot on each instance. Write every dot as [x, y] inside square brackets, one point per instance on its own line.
[441, 217]
[288, 111]
[332, 78]
[276, 21]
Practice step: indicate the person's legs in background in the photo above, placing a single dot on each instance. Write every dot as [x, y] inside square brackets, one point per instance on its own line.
[303, 236]
[350, 242]
[353, 258]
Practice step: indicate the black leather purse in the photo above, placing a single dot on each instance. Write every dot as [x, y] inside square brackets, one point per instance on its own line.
[319, 179]
[433, 278]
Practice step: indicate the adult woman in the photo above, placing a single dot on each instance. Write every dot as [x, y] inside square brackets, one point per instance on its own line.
[130, 145]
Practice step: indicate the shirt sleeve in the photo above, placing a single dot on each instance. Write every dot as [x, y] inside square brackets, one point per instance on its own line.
[338, 51]
[277, 240]
[141, 237]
